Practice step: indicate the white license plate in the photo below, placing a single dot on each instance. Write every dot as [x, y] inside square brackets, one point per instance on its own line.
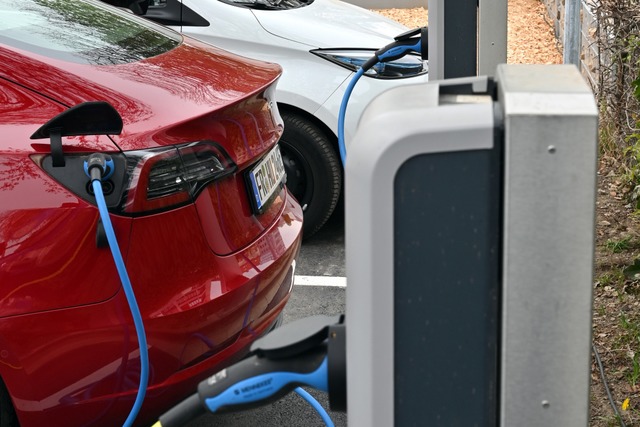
[266, 177]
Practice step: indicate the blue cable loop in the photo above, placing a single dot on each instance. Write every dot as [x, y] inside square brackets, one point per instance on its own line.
[131, 299]
[316, 405]
[398, 51]
[342, 113]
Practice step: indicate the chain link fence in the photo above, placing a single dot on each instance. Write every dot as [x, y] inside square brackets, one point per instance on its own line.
[610, 61]
[618, 43]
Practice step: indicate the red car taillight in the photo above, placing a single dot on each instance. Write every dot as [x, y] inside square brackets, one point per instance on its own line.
[163, 178]
[152, 180]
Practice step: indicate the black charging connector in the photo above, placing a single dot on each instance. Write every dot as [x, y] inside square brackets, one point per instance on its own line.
[98, 166]
[415, 40]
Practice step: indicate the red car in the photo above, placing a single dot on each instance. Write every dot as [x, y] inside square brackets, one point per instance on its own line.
[209, 239]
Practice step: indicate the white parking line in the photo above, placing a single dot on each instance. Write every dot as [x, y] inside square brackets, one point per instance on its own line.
[330, 281]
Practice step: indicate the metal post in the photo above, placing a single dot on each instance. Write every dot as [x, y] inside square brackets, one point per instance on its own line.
[466, 37]
[492, 35]
[436, 39]
[571, 51]
[453, 38]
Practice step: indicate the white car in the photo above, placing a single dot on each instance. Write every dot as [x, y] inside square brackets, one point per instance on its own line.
[318, 43]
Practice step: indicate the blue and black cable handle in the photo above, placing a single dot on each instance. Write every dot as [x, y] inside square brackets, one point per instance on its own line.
[309, 352]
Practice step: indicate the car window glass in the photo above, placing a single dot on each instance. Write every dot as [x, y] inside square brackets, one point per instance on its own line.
[269, 4]
[81, 31]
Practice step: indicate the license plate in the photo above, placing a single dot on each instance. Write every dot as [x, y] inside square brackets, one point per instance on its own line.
[265, 178]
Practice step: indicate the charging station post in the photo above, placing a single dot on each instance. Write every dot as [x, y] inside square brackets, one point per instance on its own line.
[470, 207]
[466, 37]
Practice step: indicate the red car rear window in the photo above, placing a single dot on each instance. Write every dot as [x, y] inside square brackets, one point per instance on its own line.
[82, 31]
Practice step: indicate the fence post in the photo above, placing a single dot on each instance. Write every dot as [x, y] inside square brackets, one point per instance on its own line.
[571, 45]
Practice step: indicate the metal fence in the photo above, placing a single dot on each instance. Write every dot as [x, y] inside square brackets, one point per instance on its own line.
[588, 34]
[609, 60]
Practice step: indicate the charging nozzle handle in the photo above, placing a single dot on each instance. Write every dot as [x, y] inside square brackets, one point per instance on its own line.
[253, 382]
[398, 49]
[415, 40]
[392, 51]
[257, 381]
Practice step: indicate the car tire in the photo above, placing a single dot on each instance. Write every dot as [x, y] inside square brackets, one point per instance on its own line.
[314, 171]
[8, 416]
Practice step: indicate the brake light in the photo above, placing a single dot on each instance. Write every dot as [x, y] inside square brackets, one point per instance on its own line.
[164, 178]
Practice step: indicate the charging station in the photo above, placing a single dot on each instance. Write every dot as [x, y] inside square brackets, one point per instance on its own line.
[470, 210]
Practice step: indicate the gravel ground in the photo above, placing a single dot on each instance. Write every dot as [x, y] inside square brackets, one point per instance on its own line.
[530, 38]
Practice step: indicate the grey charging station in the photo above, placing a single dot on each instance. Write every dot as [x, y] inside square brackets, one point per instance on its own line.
[470, 207]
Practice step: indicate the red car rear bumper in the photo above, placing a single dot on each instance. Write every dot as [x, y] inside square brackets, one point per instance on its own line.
[80, 365]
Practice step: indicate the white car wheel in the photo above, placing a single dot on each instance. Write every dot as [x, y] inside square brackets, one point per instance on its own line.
[314, 172]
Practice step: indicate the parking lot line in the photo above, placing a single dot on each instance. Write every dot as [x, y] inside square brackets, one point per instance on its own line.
[331, 281]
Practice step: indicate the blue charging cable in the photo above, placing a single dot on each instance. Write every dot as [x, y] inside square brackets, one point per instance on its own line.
[343, 111]
[412, 41]
[99, 167]
[316, 405]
